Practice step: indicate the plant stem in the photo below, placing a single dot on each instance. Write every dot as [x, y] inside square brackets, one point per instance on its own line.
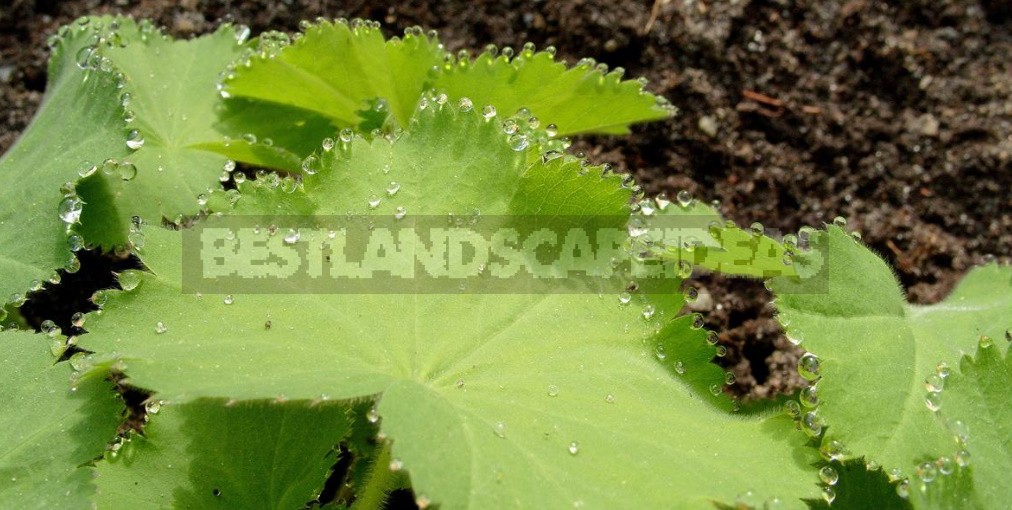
[381, 481]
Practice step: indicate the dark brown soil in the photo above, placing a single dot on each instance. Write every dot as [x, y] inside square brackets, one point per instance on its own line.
[897, 115]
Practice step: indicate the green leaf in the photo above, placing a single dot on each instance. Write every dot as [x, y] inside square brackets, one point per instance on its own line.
[337, 72]
[78, 125]
[582, 99]
[49, 433]
[490, 400]
[695, 233]
[219, 454]
[874, 350]
[171, 94]
[974, 408]
[335, 68]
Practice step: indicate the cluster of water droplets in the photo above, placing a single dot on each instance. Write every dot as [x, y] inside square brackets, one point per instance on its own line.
[750, 500]
[263, 179]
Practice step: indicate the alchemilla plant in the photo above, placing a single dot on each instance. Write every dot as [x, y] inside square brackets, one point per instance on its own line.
[370, 265]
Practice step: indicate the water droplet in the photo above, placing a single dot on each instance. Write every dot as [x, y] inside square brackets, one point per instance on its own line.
[729, 378]
[787, 259]
[249, 138]
[126, 170]
[942, 369]
[77, 320]
[757, 229]
[510, 126]
[135, 140]
[903, 489]
[828, 494]
[659, 353]
[49, 328]
[648, 312]
[70, 209]
[609, 398]
[488, 112]
[396, 465]
[552, 130]
[400, 212]
[809, 366]
[962, 458]
[712, 337]
[310, 165]
[75, 242]
[945, 466]
[792, 408]
[684, 198]
[460, 383]
[790, 243]
[553, 390]
[346, 135]
[715, 389]
[748, 499]
[720, 351]
[518, 142]
[228, 299]
[153, 406]
[697, 321]
[422, 502]
[393, 188]
[832, 450]
[500, 430]
[809, 396]
[927, 472]
[624, 298]
[292, 237]
[129, 280]
[574, 448]
[933, 401]
[691, 293]
[811, 424]
[685, 269]
[894, 474]
[985, 342]
[328, 144]
[465, 104]
[679, 368]
[828, 475]
[960, 431]
[372, 415]
[160, 327]
[86, 169]
[374, 202]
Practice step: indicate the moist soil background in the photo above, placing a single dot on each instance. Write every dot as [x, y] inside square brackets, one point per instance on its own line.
[896, 115]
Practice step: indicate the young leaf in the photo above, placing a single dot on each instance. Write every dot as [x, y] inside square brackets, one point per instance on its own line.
[487, 398]
[77, 127]
[873, 350]
[170, 97]
[974, 407]
[581, 99]
[212, 454]
[48, 432]
[347, 74]
[335, 68]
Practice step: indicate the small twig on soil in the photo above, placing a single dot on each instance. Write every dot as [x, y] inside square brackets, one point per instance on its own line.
[762, 98]
[654, 11]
